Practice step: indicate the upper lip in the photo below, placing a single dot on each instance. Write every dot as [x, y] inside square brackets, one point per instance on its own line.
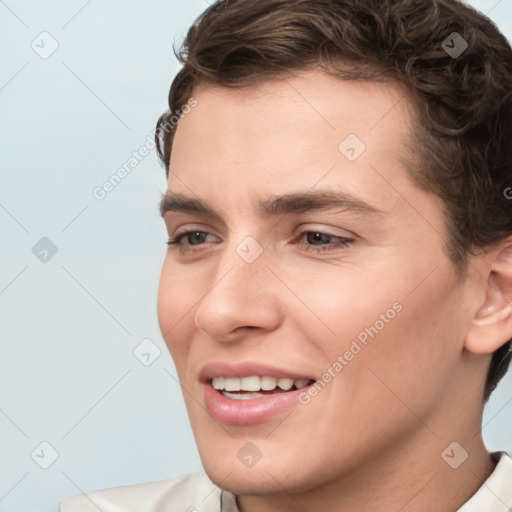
[247, 369]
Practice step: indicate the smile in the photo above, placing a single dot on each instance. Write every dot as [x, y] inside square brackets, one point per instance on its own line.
[249, 392]
[247, 388]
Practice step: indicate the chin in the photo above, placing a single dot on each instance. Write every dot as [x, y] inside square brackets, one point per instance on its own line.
[266, 477]
[249, 482]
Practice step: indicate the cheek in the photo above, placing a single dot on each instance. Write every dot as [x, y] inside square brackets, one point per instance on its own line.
[347, 303]
[408, 337]
[411, 360]
[177, 296]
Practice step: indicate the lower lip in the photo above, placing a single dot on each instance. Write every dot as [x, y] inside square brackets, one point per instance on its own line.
[248, 412]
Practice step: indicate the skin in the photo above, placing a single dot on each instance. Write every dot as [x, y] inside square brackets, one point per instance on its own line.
[372, 438]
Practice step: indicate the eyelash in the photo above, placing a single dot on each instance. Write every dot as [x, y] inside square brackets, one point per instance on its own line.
[342, 242]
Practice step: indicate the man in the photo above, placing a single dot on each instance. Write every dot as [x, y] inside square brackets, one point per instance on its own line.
[337, 290]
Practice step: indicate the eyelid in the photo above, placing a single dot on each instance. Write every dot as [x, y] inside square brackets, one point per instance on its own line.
[337, 241]
[191, 226]
[303, 229]
[184, 233]
[326, 229]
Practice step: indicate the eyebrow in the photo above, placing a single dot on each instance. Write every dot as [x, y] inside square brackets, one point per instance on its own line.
[279, 205]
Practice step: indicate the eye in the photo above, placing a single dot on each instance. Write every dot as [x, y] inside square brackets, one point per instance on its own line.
[319, 241]
[316, 241]
[189, 238]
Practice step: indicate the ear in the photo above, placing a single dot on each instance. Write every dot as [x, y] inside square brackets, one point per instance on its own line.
[491, 326]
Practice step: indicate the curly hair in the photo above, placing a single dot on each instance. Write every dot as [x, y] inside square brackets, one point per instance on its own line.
[463, 129]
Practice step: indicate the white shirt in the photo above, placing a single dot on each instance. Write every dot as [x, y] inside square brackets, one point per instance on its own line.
[196, 493]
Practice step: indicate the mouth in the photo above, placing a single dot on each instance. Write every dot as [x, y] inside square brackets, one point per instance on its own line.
[250, 393]
[252, 387]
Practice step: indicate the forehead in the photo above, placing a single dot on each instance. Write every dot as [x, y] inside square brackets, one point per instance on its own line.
[324, 103]
[308, 130]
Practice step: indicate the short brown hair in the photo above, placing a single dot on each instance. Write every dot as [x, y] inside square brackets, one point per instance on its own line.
[464, 102]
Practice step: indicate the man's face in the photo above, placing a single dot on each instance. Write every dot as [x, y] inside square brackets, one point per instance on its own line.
[354, 302]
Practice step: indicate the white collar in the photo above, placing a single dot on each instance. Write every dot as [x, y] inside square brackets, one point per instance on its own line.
[495, 495]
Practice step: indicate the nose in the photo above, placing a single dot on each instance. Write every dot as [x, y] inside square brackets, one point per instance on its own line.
[242, 297]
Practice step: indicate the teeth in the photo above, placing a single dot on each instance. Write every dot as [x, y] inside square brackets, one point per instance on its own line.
[255, 383]
[232, 384]
[285, 384]
[301, 383]
[268, 383]
[250, 383]
[218, 382]
[241, 396]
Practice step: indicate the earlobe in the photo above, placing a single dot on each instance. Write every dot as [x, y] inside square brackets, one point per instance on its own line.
[491, 326]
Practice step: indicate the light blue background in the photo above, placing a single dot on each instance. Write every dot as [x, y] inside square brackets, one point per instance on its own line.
[69, 326]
